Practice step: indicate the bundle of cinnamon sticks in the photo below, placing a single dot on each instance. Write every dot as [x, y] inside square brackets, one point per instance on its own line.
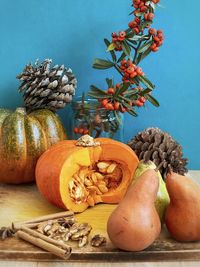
[26, 230]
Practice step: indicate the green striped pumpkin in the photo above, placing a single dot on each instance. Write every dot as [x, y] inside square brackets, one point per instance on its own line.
[23, 138]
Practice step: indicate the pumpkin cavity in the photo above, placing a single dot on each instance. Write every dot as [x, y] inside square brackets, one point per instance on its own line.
[88, 184]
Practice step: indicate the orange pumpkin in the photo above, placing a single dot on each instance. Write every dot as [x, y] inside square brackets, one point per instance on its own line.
[74, 177]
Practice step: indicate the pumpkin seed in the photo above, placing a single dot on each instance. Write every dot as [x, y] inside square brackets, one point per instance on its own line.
[99, 176]
[97, 199]
[82, 173]
[111, 168]
[87, 182]
[103, 165]
[94, 178]
[103, 170]
[94, 190]
[102, 188]
[90, 201]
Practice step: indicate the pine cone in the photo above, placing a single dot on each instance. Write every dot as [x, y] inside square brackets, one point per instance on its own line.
[159, 147]
[46, 87]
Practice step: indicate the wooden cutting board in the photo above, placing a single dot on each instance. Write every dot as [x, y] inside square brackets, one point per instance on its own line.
[19, 203]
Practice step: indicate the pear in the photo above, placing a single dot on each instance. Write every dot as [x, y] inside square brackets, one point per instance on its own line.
[182, 216]
[135, 224]
[162, 199]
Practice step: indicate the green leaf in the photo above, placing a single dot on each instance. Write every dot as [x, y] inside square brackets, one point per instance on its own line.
[110, 47]
[139, 14]
[118, 117]
[102, 64]
[122, 89]
[97, 90]
[109, 82]
[96, 95]
[123, 55]
[146, 82]
[132, 112]
[142, 56]
[131, 93]
[107, 42]
[152, 100]
[136, 38]
[146, 91]
[136, 80]
[145, 47]
[126, 48]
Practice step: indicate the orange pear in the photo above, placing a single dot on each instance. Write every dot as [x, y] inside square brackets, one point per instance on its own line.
[182, 216]
[135, 224]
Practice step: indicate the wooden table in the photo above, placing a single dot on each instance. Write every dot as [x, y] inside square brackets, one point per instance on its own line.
[23, 202]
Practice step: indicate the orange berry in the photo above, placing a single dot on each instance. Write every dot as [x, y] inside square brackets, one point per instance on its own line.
[155, 1]
[104, 102]
[159, 43]
[138, 103]
[136, 30]
[142, 99]
[137, 2]
[160, 32]
[150, 16]
[111, 91]
[133, 74]
[153, 46]
[152, 31]
[122, 34]
[81, 130]
[123, 109]
[130, 70]
[116, 105]
[143, 8]
[160, 36]
[76, 130]
[109, 106]
[141, 4]
[117, 85]
[119, 38]
[156, 39]
[137, 20]
[139, 71]
[146, 16]
[85, 131]
[155, 49]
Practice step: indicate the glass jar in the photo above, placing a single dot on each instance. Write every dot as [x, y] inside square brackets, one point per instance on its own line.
[90, 118]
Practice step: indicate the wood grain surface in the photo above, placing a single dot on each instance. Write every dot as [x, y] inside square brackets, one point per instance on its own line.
[24, 202]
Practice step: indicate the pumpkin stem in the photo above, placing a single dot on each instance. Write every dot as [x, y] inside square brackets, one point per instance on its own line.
[87, 140]
[21, 110]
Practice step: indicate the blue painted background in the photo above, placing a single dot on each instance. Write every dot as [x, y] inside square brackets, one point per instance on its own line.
[72, 32]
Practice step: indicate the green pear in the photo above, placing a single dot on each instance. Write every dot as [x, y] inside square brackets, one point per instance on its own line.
[162, 200]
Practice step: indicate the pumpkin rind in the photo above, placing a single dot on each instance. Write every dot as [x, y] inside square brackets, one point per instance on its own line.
[58, 164]
[23, 138]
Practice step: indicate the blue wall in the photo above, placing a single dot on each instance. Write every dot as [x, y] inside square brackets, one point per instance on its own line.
[72, 32]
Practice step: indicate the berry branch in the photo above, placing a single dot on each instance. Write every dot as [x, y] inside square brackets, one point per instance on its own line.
[127, 49]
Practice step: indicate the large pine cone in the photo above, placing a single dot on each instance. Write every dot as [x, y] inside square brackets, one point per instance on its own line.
[46, 87]
[159, 147]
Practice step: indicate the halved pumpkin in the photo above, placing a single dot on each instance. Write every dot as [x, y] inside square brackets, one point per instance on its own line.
[75, 177]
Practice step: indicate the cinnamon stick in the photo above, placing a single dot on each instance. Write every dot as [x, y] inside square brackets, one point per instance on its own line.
[33, 225]
[46, 238]
[44, 245]
[17, 225]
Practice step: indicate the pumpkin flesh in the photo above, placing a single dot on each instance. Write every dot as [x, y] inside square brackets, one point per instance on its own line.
[62, 171]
